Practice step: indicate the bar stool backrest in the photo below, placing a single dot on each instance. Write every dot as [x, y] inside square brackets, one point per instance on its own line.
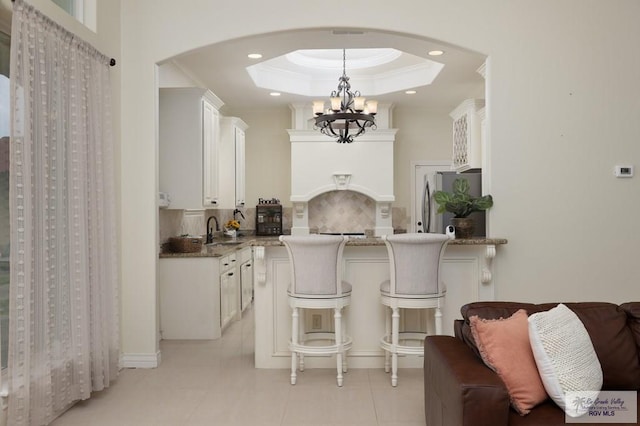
[316, 264]
[414, 261]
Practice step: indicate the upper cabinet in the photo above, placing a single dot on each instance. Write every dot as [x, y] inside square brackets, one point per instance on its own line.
[189, 131]
[232, 162]
[467, 140]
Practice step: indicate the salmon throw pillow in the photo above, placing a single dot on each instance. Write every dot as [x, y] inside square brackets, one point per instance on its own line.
[505, 348]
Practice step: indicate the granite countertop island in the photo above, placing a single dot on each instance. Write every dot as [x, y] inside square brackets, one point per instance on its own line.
[222, 247]
[466, 272]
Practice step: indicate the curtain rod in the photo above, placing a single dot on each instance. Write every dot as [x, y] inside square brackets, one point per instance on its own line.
[112, 61]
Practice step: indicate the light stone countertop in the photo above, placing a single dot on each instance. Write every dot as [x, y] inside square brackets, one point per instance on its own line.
[223, 246]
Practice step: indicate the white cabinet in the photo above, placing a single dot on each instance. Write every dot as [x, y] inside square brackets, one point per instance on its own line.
[229, 293]
[240, 167]
[232, 162]
[467, 142]
[200, 296]
[189, 130]
[210, 131]
[246, 278]
[189, 295]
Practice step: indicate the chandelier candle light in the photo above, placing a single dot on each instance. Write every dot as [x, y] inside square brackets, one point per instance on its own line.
[348, 116]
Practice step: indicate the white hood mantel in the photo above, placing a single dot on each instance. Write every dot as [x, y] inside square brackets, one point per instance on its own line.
[320, 165]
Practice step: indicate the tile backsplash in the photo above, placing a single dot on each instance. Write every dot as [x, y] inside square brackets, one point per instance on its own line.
[342, 211]
[335, 211]
[194, 222]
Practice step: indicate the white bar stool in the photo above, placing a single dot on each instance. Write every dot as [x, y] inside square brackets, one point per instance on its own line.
[316, 283]
[414, 263]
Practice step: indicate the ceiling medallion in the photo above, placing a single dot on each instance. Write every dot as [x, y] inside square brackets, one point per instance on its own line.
[348, 117]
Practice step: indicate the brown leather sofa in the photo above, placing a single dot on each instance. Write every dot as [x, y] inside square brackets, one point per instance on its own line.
[461, 390]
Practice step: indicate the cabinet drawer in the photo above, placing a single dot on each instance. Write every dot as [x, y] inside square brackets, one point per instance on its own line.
[228, 262]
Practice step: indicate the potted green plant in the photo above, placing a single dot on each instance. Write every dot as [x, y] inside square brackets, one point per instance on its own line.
[461, 204]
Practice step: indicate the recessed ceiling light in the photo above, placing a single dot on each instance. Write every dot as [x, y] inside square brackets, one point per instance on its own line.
[410, 92]
[436, 52]
[274, 93]
[254, 55]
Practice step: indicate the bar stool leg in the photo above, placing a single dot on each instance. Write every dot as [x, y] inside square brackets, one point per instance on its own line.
[395, 328]
[337, 318]
[303, 338]
[387, 334]
[344, 336]
[294, 342]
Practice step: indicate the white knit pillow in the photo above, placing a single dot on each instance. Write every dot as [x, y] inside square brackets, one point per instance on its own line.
[565, 356]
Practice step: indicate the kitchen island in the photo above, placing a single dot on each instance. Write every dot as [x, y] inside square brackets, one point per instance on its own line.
[466, 272]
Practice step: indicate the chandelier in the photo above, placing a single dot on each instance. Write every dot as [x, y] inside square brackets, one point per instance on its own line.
[348, 116]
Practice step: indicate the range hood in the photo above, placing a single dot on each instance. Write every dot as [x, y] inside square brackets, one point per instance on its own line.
[320, 165]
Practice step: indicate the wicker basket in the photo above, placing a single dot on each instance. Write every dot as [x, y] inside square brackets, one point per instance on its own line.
[185, 244]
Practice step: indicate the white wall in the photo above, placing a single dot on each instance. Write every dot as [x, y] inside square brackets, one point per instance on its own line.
[423, 134]
[267, 154]
[562, 110]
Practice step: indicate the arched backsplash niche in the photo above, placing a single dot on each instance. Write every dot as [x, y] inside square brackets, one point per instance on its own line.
[342, 212]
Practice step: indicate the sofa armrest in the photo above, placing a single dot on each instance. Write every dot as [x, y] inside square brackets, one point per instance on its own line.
[459, 390]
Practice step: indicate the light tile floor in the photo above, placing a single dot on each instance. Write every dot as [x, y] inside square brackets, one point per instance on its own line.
[204, 383]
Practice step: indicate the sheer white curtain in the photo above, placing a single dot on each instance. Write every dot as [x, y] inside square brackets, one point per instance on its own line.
[64, 330]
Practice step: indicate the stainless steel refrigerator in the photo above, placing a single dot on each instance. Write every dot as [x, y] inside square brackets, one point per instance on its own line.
[433, 222]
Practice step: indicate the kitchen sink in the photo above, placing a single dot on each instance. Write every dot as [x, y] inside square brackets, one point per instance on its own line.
[224, 243]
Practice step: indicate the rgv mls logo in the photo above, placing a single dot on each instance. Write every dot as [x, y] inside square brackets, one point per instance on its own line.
[602, 407]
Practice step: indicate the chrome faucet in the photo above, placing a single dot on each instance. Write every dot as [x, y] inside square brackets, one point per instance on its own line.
[209, 230]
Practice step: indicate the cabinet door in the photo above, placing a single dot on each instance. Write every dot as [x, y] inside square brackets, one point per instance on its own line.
[231, 162]
[246, 284]
[225, 309]
[210, 128]
[188, 138]
[240, 167]
[228, 297]
[234, 295]
[467, 148]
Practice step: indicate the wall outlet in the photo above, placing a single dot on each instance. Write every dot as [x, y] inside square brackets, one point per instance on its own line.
[316, 322]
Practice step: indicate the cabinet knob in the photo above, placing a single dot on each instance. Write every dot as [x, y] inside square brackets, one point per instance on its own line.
[230, 274]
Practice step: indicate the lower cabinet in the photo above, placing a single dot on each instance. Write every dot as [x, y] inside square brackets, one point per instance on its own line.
[189, 298]
[229, 294]
[246, 278]
[200, 296]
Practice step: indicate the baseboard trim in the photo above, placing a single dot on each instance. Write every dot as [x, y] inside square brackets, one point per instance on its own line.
[140, 360]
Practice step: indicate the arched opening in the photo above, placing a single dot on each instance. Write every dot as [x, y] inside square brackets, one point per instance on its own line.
[422, 117]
